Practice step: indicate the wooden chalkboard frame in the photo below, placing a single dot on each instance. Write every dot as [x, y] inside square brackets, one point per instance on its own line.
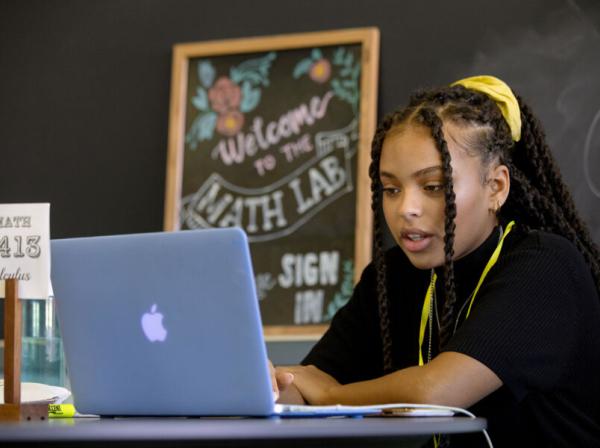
[368, 39]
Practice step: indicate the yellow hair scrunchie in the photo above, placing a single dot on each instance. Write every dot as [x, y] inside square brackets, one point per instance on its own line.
[503, 96]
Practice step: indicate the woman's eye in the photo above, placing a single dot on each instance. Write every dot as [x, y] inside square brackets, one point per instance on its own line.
[434, 188]
[391, 191]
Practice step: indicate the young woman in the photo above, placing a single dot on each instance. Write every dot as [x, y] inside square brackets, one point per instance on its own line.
[490, 299]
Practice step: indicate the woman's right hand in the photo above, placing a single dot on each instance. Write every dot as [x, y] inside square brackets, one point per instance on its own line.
[282, 382]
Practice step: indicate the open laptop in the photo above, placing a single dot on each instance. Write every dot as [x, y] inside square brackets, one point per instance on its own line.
[165, 324]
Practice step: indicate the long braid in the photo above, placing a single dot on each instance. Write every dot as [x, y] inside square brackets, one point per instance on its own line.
[379, 256]
[435, 124]
[554, 209]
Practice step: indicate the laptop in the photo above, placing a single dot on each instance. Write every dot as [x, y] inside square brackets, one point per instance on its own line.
[166, 324]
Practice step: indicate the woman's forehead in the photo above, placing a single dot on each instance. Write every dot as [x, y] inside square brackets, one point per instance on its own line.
[417, 137]
[409, 141]
[407, 152]
[411, 148]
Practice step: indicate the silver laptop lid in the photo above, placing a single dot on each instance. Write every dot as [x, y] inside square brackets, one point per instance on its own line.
[162, 324]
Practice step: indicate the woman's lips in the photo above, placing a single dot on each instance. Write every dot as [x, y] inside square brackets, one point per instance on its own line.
[415, 241]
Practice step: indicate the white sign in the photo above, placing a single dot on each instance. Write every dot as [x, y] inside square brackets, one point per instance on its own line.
[25, 248]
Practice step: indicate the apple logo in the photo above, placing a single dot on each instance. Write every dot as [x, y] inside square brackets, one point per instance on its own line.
[153, 326]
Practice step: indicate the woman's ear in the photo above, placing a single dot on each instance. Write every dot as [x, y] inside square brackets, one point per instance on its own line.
[498, 182]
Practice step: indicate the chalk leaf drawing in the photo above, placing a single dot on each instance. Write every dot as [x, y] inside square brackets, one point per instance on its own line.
[343, 295]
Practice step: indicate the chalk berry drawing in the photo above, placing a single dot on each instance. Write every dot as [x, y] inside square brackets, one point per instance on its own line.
[345, 82]
[222, 102]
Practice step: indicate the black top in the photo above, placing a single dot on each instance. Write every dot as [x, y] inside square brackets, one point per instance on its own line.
[535, 323]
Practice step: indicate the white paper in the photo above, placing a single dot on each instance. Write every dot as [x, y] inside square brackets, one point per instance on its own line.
[25, 248]
[37, 393]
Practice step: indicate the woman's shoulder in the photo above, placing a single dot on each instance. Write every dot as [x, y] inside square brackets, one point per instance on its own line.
[546, 252]
[539, 241]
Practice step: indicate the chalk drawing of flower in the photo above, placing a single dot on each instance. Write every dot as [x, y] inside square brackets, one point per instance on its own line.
[224, 95]
[320, 71]
[345, 83]
[230, 122]
[307, 65]
[222, 103]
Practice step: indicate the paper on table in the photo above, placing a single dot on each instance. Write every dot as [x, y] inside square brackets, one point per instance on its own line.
[388, 410]
[36, 392]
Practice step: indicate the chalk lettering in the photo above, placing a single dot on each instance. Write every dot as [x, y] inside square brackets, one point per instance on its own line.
[334, 172]
[256, 128]
[334, 179]
[271, 133]
[295, 149]
[303, 203]
[329, 263]
[252, 203]
[234, 215]
[267, 163]
[276, 210]
[213, 207]
[309, 269]
[308, 306]
[225, 210]
[235, 150]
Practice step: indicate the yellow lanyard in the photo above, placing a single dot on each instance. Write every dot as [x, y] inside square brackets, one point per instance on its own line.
[431, 290]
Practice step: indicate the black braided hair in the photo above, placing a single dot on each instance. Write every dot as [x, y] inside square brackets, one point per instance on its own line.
[538, 197]
[380, 265]
[430, 118]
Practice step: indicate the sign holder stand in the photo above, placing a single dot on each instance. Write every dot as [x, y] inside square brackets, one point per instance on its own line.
[13, 409]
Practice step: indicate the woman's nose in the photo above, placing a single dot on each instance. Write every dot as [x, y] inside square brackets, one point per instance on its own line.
[409, 205]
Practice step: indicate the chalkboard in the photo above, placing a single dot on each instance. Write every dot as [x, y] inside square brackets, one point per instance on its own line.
[555, 66]
[273, 135]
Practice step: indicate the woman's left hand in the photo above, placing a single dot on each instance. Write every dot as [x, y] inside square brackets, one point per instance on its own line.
[315, 385]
